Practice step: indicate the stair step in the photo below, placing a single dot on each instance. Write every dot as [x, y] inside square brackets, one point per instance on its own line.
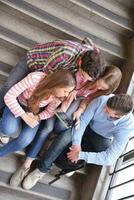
[8, 57]
[40, 190]
[90, 10]
[112, 9]
[12, 194]
[62, 18]
[15, 38]
[111, 47]
[5, 67]
[128, 3]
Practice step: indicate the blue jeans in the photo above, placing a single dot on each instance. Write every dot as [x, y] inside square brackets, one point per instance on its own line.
[46, 127]
[60, 142]
[9, 125]
[90, 143]
[17, 73]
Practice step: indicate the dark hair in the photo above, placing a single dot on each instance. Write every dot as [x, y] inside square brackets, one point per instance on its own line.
[93, 63]
[122, 103]
[59, 79]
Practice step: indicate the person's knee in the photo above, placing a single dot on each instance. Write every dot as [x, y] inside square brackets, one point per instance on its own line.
[48, 129]
[59, 127]
[9, 129]
[65, 137]
[24, 141]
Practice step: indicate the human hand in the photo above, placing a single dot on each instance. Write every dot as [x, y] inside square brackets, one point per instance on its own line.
[30, 119]
[76, 118]
[59, 110]
[73, 154]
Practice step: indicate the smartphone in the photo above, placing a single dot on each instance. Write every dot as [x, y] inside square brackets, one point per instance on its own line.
[68, 123]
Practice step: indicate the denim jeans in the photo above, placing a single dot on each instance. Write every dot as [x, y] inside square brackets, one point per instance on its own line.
[17, 73]
[62, 139]
[58, 145]
[91, 142]
[9, 125]
[46, 127]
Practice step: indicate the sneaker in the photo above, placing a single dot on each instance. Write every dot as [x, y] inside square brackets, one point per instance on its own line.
[18, 176]
[32, 179]
[4, 139]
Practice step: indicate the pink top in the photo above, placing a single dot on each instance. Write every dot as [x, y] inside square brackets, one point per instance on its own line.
[79, 91]
[22, 91]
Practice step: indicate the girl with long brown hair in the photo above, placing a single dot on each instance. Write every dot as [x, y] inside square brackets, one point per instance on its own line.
[87, 91]
[105, 85]
[30, 103]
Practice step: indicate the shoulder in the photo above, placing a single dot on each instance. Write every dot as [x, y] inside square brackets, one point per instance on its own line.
[35, 76]
[102, 99]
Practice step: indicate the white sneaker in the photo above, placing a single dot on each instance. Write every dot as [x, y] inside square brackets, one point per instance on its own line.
[18, 176]
[32, 179]
[4, 139]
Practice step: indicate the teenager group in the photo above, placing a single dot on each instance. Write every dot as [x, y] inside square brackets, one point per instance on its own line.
[65, 77]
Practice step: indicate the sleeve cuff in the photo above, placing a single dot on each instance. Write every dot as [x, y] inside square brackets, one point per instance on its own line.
[19, 114]
[42, 116]
[81, 156]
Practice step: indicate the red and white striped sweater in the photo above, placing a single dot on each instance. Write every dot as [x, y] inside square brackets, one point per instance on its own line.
[22, 91]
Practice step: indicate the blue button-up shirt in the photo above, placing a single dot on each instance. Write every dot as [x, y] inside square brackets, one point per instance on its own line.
[118, 130]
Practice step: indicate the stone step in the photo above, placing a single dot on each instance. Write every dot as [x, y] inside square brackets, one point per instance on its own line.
[114, 7]
[60, 190]
[64, 16]
[111, 48]
[94, 12]
[39, 192]
[13, 194]
[10, 53]
[25, 35]
[128, 3]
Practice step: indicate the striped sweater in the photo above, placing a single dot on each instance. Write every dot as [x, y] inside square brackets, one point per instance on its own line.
[22, 91]
[57, 54]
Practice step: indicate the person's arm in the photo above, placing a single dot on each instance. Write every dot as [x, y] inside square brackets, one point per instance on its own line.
[49, 111]
[84, 121]
[82, 107]
[78, 133]
[67, 102]
[11, 96]
[59, 58]
[111, 154]
[77, 114]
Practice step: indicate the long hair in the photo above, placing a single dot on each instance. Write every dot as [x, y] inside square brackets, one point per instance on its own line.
[45, 88]
[112, 77]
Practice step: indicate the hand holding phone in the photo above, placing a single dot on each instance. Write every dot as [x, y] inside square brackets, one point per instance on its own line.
[68, 123]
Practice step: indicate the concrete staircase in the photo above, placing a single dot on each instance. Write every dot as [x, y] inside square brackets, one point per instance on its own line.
[60, 190]
[24, 23]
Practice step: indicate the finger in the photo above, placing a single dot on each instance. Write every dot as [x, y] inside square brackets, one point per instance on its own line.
[77, 126]
[74, 117]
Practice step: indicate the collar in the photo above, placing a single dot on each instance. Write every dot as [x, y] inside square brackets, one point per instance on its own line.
[123, 118]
